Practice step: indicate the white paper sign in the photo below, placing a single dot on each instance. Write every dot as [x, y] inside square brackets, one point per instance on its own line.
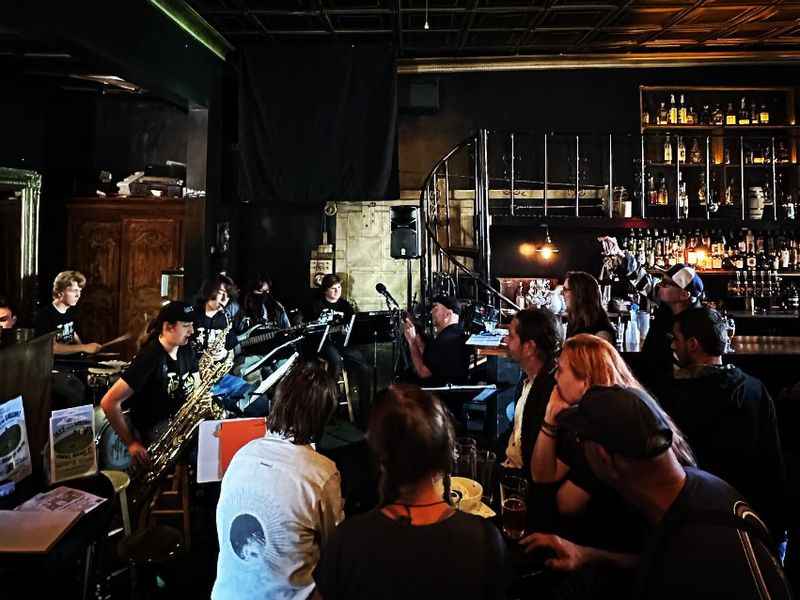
[15, 457]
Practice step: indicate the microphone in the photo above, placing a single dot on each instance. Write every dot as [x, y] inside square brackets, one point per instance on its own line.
[381, 289]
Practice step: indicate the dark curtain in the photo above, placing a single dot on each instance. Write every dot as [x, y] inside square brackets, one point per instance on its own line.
[317, 123]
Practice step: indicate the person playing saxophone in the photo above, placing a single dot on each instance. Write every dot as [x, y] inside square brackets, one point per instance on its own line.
[162, 375]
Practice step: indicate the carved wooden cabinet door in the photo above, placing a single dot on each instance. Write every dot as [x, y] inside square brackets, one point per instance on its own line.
[149, 246]
[97, 255]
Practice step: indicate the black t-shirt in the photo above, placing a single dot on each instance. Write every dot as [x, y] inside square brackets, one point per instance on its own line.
[690, 556]
[206, 330]
[602, 324]
[372, 556]
[338, 312]
[63, 324]
[447, 357]
[608, 521]
[160, 384]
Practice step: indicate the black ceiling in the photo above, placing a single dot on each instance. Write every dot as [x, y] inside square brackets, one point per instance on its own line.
[512, 27]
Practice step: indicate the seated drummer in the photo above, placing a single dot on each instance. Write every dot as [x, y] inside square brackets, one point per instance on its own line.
[59, 315]
[445, 358]
[157, 382]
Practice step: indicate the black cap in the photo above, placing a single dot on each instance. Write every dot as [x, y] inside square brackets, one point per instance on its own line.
[176, 311]
[450, 302]
[624, 420]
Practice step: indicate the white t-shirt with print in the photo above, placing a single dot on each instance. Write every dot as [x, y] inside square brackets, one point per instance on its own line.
[278, 505]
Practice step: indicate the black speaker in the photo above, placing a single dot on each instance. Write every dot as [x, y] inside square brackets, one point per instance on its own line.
[405, 232]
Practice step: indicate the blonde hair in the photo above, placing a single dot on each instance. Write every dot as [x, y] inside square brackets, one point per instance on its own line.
[597, 362]
[65, 279]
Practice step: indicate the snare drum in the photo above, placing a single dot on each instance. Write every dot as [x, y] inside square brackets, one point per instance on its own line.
[112, 453]
[99, 380]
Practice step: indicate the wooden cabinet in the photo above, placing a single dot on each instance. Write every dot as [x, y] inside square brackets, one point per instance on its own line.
[122, 245]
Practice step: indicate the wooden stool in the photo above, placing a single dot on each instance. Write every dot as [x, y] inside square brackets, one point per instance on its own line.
[344, 388]
[172, 502]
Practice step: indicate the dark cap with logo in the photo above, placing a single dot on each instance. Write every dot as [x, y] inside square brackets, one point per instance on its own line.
[450, 302]
[624, 420]
[175, 312]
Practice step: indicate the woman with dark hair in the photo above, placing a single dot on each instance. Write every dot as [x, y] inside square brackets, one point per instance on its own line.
[260, 307]
[280, 499]
[413, 544]
[585, 312]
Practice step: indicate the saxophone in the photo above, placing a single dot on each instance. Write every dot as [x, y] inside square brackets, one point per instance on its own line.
[199, 406]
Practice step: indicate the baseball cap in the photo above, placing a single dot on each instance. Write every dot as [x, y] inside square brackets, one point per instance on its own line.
[624, 420]
[448, 301]
[175, 311]
[686, 278]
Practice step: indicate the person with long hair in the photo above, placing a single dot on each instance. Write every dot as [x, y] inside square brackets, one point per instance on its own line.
[260, 307]
[212, 316]
[157, 382]
[415, 544]
[585, 312]
[280, 499]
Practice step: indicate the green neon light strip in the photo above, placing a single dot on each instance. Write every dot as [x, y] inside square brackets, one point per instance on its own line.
[195, 25]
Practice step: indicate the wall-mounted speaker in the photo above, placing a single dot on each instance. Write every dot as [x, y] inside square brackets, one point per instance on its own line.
[405, 242]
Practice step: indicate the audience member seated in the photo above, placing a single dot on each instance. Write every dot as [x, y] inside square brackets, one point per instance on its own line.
[680, 289]
[704, 540]
[8, 316]
[591, 508]
[585, 311]
[727, 416]
[534, 339]
[415, 545]
[445, 358]
[280, 499]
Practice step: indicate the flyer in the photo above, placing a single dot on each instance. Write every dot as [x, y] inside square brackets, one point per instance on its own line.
[15, 458]
[72, 449]
[62, 499]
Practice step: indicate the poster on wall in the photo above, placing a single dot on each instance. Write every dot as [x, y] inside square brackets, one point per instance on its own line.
[15, 458]
[72, 450]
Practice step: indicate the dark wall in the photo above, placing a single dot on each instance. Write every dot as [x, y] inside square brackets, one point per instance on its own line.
[563, 101]
[69, 137]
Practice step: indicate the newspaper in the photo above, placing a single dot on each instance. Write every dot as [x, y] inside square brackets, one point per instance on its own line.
[62, 499]
[72, 449]
[15, 457]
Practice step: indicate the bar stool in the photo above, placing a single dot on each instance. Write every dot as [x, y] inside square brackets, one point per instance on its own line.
[344, 390]
[171, 502]
[121, 481]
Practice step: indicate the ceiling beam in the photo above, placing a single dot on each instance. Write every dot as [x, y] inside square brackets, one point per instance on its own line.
[609, 18]
[676, 19]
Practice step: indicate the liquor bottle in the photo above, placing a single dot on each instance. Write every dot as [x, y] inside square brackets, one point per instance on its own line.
[519, 300]
[744, 114]
[681, 150]
[673, 110]
[717, 250]
[663, 194]
[646, 117]
[730, 115]
[763, 115]
[651, 250]
[659, 251]
[663, 115]
[751, 260]
[695, 154]
[682, 114]
[652, 192]
[668, 150]
[717, 116]
[782, 153]
[691, 116]
[785, 254]
[704, 118]
[754, 114]
[683, 201]
[702, 194]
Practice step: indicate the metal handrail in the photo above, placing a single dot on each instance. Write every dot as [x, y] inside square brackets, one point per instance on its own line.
[431, 235]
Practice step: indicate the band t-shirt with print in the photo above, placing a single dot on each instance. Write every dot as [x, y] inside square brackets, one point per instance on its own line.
[50, 319]
[160, 384]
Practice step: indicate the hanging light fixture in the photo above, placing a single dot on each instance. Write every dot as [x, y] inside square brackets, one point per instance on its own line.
[427, 27]
[548, 249]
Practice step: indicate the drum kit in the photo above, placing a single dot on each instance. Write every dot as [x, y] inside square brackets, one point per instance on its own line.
[112, 453]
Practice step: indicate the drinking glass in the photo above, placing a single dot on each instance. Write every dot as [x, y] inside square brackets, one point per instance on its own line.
[485, 464]
[514, 506]
[466, 457]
